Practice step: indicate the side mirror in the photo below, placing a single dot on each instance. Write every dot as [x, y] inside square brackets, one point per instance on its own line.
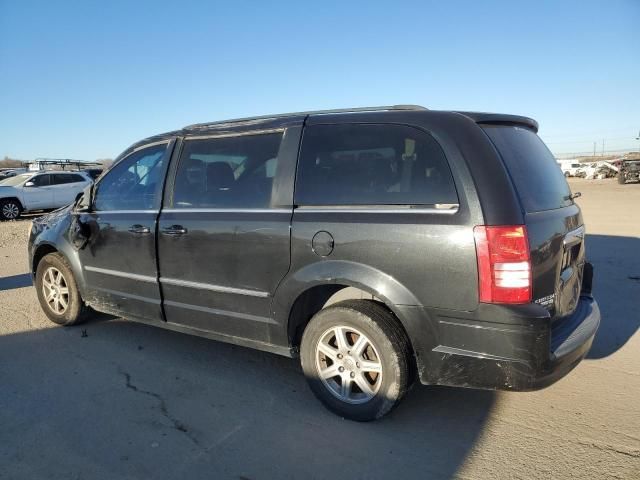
[84, 203]
[30, 183]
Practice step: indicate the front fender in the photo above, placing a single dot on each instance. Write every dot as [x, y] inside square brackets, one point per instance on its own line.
[23, 199]
[10, 192]
[52, 231]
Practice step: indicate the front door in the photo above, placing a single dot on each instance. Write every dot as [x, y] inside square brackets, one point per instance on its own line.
[39, 193]
[119, 261]
[223, 238]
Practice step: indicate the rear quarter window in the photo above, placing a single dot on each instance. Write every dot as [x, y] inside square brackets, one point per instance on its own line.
[540, 184]
[372, 164]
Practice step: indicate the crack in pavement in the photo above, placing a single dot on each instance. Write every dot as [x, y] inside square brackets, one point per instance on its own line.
[622, 450]
[626, 450]
[175, 423]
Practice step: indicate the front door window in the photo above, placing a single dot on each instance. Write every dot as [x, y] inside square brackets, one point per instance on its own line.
[134, 183]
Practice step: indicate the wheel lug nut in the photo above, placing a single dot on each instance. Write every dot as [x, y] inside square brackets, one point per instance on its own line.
[340, 355]
[353, 374]
[357, 365]
[341, 369]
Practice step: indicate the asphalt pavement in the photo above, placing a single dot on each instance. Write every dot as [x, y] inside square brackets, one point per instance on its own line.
[113, 399]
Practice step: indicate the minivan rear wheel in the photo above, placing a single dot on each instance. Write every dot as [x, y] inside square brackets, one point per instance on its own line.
[356, 358]
[58, 292]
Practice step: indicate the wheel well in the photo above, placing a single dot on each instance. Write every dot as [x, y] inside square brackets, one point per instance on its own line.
[41, 251]
[313, 300]
[15, 199]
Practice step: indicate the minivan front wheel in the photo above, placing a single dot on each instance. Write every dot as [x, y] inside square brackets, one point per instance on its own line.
[356, 359]
[57, 291]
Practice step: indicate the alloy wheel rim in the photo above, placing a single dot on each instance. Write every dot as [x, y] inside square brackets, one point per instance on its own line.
[10, 210]
[55, 290]
[348, 364]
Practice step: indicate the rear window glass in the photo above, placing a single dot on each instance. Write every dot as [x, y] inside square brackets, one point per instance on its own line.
[540, 183]
[369, 164]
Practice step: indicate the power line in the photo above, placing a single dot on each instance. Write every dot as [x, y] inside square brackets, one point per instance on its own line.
[592, 132]
[592, 153]
[588, 140]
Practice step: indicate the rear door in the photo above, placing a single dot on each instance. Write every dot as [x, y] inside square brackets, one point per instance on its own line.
[119, 261]
[554, 222]
[383, 197]
[223, 241]
[66, 186]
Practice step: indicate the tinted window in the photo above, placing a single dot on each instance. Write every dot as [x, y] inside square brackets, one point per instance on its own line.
[372, 165]
[229, 172]
[76, 178]
[94, 172]
[535, 173]
[61, 178]
[134, 183]
[41, 180]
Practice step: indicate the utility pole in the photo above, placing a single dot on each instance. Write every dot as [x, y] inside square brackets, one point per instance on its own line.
[603, 147]
[594, 149]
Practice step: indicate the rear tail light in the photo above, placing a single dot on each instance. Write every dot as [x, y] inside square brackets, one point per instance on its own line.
[504, 265]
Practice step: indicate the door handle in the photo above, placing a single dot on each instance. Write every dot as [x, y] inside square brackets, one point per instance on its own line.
[174, 230]
[139, 229]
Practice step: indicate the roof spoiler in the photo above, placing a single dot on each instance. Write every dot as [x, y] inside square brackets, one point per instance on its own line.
[502, 119]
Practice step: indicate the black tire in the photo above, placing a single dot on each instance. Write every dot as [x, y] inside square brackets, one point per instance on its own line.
[391, 345]
[10, 209]
[76, 311]
[567, 174]
[621, 179]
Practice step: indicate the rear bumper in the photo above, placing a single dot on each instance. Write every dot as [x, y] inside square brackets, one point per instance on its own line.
[529, 354]
[571, 340]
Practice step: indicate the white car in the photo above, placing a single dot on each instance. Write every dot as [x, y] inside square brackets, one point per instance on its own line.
[40, 191]
[570, 169]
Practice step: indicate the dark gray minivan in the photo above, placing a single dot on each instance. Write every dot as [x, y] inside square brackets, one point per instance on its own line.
[381, 245]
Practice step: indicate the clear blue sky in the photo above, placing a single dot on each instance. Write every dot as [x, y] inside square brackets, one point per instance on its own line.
[84, 79]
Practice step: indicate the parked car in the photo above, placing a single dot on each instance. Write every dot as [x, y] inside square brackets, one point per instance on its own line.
[629, 171]
[570, 169]
[379, 245]
[588, 170]
[10, 172]
[27, 192]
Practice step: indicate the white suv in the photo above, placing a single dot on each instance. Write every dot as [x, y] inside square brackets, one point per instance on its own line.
[40, 191]
[570, 169]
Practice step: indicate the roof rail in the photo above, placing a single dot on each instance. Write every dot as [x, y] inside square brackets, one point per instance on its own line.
[311, 112]
[42, 163]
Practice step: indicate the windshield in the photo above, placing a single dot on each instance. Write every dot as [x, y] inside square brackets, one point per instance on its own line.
[15, 181]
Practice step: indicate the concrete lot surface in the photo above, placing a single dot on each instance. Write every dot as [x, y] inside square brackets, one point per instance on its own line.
[130, 401]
